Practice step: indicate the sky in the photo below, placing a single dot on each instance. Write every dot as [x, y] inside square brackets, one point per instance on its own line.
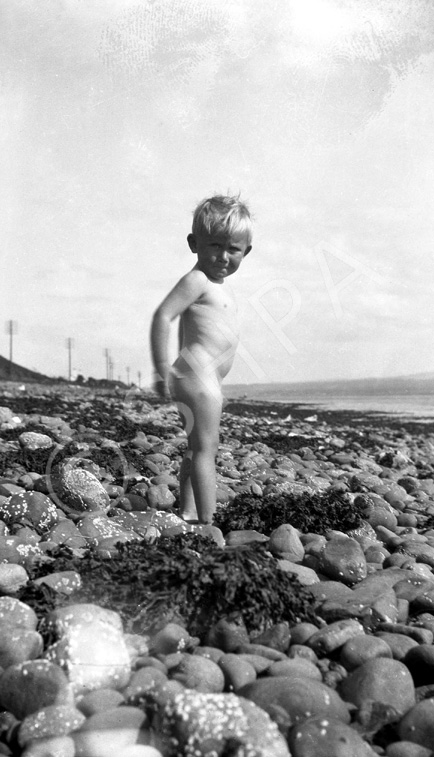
[117, 117]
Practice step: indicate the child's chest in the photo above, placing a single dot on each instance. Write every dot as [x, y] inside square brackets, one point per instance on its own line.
[219, 300]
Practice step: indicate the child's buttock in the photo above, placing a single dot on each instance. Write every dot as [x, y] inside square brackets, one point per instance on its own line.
[193, 379]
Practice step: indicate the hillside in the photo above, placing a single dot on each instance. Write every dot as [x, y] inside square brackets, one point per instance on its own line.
[13, 372]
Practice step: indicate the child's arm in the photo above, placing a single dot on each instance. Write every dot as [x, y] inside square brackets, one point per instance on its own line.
[186, 291]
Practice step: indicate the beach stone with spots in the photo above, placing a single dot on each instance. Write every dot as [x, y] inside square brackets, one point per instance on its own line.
[30, 507]
[78, 489]
[54, 720]
[342, 559]
[16, 614]
[95, 527]
[64, 582]
[27, 687]
[193, 723]
[325, 737]
[32, 440]
[12, 578]
[91, 649]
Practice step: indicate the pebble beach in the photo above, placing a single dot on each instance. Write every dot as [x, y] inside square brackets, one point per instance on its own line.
[301, 623]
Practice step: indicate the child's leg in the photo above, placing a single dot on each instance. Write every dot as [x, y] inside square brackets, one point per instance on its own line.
[186, 495]
[201, 400]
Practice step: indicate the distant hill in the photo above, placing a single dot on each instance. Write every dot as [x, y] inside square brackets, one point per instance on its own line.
[13, 372]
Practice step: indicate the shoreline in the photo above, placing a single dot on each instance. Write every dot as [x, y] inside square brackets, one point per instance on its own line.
[301, 411]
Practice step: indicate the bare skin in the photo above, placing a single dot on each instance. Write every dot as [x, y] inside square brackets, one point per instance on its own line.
[209, 338]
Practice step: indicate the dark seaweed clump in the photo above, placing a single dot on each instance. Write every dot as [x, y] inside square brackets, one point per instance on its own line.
[308, 512]
[186, 578]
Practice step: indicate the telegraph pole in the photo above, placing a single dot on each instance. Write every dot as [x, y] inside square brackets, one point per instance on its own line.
[106, 354]
[139, 376]
[69, 346]
[128, 375]
[11, 329]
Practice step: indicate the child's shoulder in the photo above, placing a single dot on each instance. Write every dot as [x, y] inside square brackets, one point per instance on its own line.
[195, 279]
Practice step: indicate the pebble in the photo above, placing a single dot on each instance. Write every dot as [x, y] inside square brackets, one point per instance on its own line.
[373, 584]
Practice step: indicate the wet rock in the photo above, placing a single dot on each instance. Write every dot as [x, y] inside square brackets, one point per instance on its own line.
[342, 559]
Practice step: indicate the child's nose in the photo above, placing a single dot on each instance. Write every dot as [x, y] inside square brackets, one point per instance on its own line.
[224, 255]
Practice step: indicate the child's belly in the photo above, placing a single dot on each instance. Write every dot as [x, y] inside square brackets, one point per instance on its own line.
[209, 346]
[196, 360]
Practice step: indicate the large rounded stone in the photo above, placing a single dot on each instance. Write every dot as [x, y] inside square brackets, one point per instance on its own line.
[295, 698]
[32, 508]
[199, 673]
[110, 731]
[380, 680]
[342, 559]
[420, 662]
[325, 737]
[196, 723]
[418, 724]
[78, 489]
[29, 686]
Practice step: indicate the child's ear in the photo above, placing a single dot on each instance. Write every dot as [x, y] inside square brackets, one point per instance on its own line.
[247, 250]
[191, 239]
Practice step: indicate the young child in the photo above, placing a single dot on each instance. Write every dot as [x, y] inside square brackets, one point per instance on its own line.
[221, 237]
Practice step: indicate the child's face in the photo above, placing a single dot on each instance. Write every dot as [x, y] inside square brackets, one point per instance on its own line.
[219, 255]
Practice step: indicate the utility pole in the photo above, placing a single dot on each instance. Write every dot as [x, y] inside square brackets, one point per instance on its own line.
[111, 369]
[106, 354]
[69, 346]
[139, 376]
[11, 329]
[128, 375]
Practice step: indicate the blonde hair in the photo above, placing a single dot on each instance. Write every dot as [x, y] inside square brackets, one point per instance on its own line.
[223, 214]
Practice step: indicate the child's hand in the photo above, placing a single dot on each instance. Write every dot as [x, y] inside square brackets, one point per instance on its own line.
[161, 388]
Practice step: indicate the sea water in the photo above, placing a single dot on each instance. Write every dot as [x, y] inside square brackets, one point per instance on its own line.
[415, 405]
